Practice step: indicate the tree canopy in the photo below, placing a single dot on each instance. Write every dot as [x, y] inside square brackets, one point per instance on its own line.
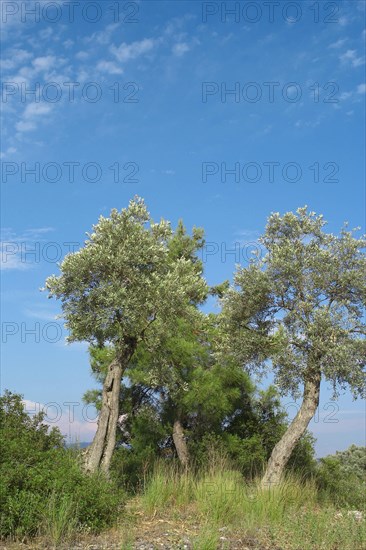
[302, 305]
[124, 278]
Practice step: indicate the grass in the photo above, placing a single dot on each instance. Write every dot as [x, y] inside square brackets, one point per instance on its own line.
[206, 540]
[60, 521]
[215, 508]
[288, 516]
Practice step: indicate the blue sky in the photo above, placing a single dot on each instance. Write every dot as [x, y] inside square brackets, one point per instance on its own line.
[219, 119]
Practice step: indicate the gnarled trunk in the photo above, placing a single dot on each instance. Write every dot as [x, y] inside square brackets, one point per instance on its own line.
[100, 452]
[180, 443]
[283, 449]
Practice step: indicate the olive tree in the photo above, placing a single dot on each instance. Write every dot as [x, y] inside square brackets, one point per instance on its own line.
[123, 287]
[299, 310]
[158, 366]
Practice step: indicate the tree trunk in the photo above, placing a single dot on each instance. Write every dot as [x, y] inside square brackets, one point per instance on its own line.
[180, 443]
[283, 449]
[100, 452]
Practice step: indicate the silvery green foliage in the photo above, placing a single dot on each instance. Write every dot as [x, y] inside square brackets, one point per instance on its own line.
[353, 461]
[123, 285]
[301, 306]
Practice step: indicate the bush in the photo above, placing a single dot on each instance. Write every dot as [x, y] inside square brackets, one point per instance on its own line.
[42, 486]
[341, 478]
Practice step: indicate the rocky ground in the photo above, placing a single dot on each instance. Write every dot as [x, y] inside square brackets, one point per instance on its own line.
[141, 532]
[154, 535]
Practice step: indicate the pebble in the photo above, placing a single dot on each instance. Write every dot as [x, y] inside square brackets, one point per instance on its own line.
[356, 514]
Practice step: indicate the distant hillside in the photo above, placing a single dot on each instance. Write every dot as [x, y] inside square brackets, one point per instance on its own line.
[79, 445]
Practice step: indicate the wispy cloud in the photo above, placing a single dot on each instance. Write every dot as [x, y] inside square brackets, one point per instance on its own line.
[104, 36]
[309, 123]
[343, 21]
[44, 63]
[126, 52]
[248, 234]
[38, 231]
[10, 261]
[16, 57]
[338, 44]
[175, 25]
[352, 96]
[36, 109]
[180, 49]
[345, 95]
[43, 314]
[82, 55]
[350, 57]
[31, 115]
[9, 151]
[15, 247]
[109, 67]
[264, 131]
[65, 417]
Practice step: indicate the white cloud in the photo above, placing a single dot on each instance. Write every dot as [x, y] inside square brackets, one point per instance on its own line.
[44, 63]
[43, 314]
[109, 67]
[68, 43]
[82, 55]
[82, 76]
[12, 25]
[25, 126]
[310, 123]
[25, 75]
[16, 56]
[35, 231]
[350, 57]
[248, 234]
[338, 44]
[126, 52]
[177, 23]
[8, 263]
[343, 21]
[13, 247]
[180, 49]
[31, 113]
[9, 151]
[345, 95]
[65, 417]
[264, 131]
[104, 36]
[45, 34]
[36, 109]
[361, 89]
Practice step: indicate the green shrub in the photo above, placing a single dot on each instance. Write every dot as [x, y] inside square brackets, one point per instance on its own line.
[341, 478]
[43, 489]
